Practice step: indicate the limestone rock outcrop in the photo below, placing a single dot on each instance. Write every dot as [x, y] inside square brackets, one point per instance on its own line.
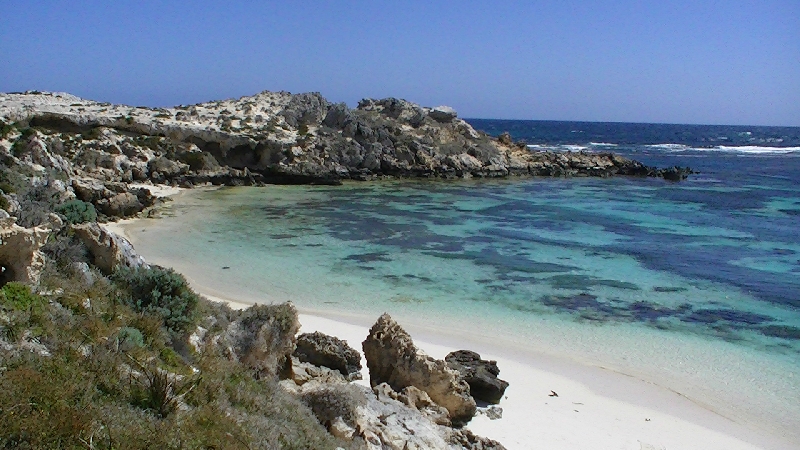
[393, 358]
[21, 258]
[114, 199]
[107, 250]
[328, 351]
[388, 423]
[480, 374]
[276, 137]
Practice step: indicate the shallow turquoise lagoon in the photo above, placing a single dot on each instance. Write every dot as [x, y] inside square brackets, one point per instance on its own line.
[635, 275]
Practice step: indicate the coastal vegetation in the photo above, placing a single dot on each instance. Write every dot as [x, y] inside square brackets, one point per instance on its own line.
[85, 366]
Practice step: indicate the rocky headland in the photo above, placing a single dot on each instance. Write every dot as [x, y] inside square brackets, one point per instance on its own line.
[277, 137]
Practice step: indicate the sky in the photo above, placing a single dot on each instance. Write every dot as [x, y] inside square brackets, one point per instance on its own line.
[706, 62]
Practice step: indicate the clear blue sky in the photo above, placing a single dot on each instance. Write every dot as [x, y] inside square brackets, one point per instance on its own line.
[714, 62]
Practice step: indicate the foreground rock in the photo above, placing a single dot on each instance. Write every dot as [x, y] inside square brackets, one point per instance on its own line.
[480, 374]
[328, 351]
[387, 422]
[393, 358]
[382, 419]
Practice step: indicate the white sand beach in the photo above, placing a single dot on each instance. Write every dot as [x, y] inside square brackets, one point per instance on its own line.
[595, 408]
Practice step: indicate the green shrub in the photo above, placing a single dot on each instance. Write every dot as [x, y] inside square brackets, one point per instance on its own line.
[18, 296]
[6, 129]
[20, 145]
[160, 291]
[159, 391]
[77, 211]
[129, 338]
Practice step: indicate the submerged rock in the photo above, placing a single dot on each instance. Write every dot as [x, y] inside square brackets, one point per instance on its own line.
[393, 358]
[480, 374]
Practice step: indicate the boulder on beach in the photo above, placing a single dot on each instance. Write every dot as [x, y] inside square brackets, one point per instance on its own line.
[480, 374]
[393, 358]
[328, 351]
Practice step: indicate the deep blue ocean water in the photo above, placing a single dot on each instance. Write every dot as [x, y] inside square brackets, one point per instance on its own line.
[695, 285]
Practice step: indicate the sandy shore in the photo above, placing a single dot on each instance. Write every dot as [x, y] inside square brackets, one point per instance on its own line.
[595, 408]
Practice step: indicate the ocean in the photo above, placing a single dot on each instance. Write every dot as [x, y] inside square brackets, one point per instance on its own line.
[692, 285]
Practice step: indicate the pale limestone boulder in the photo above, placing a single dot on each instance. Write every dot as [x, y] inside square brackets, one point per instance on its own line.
[20, 251]
[393, 358]
[388, 423]
[263, 337]
[108, 250]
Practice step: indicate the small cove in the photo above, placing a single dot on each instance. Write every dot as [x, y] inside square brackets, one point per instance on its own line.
[571, 268]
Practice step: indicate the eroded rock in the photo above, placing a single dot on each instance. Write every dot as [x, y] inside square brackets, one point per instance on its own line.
[393, 358]
[107, 250]
[443, 114]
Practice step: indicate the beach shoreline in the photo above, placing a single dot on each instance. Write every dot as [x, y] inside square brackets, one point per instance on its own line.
[596, 407]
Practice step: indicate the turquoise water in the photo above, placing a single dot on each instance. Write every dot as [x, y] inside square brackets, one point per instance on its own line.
[615, 273]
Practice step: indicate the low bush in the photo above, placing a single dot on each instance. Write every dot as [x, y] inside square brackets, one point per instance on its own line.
[18, 296]
[20, 146]
[37, 201]
[159, 291]
[77, 211]
[64, 249]
[129, 338]
[5, 129]
[331, 402]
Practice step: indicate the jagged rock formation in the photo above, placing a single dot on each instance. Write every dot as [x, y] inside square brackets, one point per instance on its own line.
[393, 358]
[274, 137]
[480, 374]
[328, 351]
[108, 250]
